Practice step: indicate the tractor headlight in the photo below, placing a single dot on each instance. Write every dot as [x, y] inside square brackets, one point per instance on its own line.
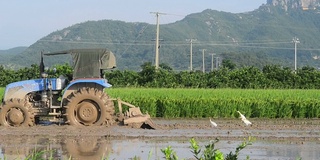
[44, 75]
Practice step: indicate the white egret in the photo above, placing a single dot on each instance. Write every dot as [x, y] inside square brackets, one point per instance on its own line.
[214, 124]
[244, 119]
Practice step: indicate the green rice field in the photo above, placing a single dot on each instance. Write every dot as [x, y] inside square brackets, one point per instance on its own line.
[220, 103]
[1, 93]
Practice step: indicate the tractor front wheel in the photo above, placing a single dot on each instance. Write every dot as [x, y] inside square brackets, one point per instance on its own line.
[16, 112]
[89, 106]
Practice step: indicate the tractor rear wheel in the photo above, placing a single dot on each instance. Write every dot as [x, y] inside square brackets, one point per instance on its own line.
[89, 106]
[17, 112]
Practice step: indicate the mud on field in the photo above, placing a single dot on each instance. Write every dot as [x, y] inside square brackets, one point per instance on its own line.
[273, 129]
[99, 142]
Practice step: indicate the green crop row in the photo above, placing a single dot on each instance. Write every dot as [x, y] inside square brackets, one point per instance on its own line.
[222, 103]
[1, 93]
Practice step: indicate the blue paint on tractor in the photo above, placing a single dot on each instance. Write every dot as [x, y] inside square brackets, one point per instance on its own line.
[28, 86]
[33, 84]
[102, 82]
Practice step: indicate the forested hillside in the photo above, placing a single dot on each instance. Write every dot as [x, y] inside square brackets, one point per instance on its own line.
[5, 55]
[257, 38]
[270, 77]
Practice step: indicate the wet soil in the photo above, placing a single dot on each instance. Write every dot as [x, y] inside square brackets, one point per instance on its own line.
[73, 141]
[273, 129]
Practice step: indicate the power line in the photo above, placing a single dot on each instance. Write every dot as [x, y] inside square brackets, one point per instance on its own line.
[140, 33]
[166, 43]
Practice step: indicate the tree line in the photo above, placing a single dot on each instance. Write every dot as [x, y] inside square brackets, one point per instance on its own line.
[227, 76]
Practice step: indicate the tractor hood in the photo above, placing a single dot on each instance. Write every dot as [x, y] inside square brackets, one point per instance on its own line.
[89, 63]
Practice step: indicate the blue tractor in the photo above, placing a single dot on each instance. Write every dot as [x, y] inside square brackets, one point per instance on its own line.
[81, 102]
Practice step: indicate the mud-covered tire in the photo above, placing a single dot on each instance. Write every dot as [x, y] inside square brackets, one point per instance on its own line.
[16, 113]
[89, 107]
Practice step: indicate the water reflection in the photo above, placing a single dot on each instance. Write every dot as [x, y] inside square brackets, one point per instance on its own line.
[59, 147]
[83, 148]
[105, 147]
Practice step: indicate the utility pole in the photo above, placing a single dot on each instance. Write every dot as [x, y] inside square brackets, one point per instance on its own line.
[295, 40]
[191, 41]
[212, 54]
[157, 39]
[217, 63]
[203, 69]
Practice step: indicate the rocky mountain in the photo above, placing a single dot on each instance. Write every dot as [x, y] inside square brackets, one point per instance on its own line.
[295, 4]
[260, 37]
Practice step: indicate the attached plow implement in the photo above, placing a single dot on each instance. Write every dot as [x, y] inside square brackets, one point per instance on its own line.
[134, 117]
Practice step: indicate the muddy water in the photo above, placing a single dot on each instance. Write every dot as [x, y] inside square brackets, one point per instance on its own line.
[275, 139]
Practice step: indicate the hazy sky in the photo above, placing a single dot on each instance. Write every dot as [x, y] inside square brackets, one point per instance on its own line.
[23, 22]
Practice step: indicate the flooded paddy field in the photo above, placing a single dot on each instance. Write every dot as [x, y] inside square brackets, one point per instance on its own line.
[275, 139]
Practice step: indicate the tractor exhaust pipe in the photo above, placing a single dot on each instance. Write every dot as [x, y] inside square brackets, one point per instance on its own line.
[43, 75]
[41, 65]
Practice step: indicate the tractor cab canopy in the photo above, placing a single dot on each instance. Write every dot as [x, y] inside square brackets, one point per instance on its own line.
[89, 63]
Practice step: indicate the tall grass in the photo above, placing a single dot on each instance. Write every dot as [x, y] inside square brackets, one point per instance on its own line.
[222, 103]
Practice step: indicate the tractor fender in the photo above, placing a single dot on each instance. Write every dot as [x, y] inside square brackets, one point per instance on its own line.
[77, 84]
